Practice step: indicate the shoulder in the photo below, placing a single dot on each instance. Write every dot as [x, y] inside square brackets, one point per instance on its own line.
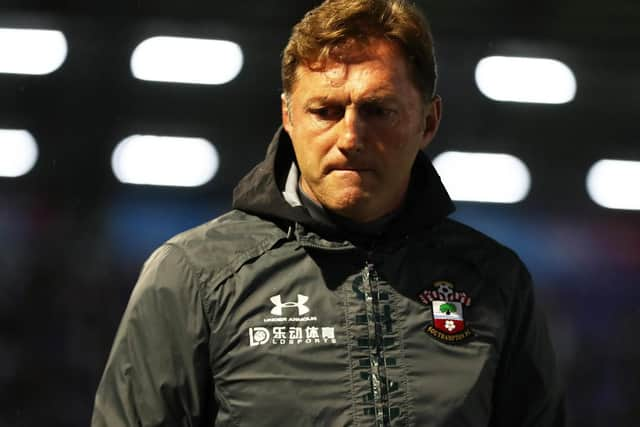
[497, 262]
[465, 240]
[231, 238]
[209, 253]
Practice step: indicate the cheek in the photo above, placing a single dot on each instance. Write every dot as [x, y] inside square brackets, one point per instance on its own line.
[316, 146]
[399, 156]
[394, 144]
[309, 159]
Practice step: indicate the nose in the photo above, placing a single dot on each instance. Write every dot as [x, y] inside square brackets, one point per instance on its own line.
[353, 131]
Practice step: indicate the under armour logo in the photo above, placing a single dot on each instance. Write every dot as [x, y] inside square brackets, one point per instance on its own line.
[277, 301]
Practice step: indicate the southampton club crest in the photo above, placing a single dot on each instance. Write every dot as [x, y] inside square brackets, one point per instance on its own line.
[447, 311]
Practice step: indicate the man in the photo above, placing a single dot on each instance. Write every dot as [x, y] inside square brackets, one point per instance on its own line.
[337, 292]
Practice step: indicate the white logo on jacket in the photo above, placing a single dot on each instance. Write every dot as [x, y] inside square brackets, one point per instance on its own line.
[286, 330]
[279, 305]
[292, 335]
[258, 336]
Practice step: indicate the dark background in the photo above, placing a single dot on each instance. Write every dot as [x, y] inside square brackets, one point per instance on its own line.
[72, 238]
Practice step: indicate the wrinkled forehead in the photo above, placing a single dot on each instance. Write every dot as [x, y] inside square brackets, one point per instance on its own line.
[355, 51]
[335, 61]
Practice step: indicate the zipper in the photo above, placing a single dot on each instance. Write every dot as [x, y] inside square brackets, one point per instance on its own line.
[379, 379]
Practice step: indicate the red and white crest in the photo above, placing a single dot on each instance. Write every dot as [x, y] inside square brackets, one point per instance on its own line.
[447, 317]
[447, 311]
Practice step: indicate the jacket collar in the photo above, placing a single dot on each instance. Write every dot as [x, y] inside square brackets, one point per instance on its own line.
[260, 193]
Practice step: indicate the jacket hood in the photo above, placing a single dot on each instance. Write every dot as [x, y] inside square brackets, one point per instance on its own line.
[260, 191]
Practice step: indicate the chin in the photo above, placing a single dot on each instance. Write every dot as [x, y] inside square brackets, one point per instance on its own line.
[348, 201]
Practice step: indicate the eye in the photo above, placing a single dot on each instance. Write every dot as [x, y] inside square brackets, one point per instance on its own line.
[375, 111]
[327, 112]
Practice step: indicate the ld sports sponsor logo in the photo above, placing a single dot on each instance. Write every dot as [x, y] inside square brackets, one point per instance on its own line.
[291, 312]
[283, 335]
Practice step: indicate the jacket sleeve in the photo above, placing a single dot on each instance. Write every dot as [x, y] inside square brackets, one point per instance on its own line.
[527, 391]
[158, 371]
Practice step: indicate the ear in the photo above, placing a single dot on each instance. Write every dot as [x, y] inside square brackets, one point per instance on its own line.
[286, 114]
[432, 116]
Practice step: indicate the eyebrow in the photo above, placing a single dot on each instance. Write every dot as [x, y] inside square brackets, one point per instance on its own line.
[381, 98]
[315, 100]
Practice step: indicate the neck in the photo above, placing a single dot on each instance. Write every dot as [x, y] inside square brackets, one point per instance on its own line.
[334, 220]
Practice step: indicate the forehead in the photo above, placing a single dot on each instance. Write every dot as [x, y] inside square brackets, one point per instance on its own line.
[379, 67]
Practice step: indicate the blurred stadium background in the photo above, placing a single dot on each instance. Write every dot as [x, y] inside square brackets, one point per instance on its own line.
[73, 236]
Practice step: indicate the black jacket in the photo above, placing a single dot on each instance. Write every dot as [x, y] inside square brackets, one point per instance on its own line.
[265, 317]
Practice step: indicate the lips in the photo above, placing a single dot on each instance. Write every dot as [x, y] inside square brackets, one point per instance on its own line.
[345, 166]
[350, 172]
[348, 168]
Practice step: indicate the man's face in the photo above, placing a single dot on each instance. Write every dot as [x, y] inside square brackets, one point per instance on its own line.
[356, 129]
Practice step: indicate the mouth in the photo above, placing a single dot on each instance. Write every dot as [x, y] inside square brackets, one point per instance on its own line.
[348, 169]
[350, 175]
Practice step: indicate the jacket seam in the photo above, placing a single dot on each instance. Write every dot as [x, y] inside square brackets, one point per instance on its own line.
[350, 357]
[241, 258]
[184, 255]
[200, 289]
[232, 416]
[198, 276]
[229, 269]
[408, 401]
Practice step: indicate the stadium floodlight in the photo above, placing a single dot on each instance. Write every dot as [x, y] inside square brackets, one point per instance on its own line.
[519, 79]
[31, 51]
[615, 184]
[164, 160]
[18, 152]
[483, 177]
[186, 60]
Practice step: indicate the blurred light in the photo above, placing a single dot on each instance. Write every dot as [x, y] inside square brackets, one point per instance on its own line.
[186, 60]
[164, 160]
[538, 80]
[483, 177]
[615, 184]
[26, 51]
[18, 152]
